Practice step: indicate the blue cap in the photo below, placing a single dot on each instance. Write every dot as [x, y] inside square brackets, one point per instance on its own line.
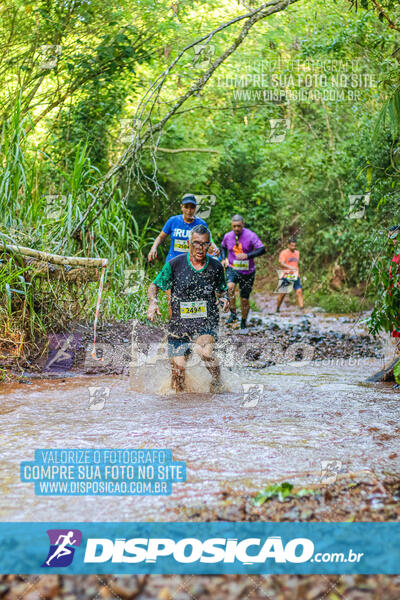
[189, 199]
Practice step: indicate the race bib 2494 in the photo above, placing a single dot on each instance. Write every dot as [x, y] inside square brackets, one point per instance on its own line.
[192, 310]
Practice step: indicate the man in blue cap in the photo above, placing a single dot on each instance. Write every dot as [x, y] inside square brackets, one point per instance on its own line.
[179, 228]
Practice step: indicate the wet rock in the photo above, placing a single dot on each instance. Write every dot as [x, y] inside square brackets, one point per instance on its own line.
[305, 325]
[124, 587]
[315, 338]
[376, 504]
[165, 594]
[293, 514]
[256, 321]
[305, 515]
[197, 589]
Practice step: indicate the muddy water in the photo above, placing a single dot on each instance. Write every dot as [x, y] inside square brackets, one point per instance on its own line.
[305, 414]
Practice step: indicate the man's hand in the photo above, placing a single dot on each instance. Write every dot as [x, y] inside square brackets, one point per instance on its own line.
[225, 304]
[152, 254]
[241, 256]
[153, 310]
[225, 262]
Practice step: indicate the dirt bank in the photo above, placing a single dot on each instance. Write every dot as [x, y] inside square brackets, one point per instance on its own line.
[353, 497]
[270, 339]
[200, 587]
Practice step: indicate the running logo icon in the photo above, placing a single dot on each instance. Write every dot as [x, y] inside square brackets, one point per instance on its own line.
[62, 547]
[252, 393]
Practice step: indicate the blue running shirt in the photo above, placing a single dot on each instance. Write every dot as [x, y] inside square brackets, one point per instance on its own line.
[179, 232]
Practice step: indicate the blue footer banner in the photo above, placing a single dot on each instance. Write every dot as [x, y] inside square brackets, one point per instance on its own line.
[200, 548]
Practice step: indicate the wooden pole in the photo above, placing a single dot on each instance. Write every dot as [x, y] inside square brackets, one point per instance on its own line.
[78, 261]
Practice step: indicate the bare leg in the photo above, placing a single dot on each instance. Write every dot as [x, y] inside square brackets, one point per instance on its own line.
[279, 302]
[245, 305]
[178, 364]
[59, 552]
[300, 300]
[205, 349]
[231, 289]
[168, 292]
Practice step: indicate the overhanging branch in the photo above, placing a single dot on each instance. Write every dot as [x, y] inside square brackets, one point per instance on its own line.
[177, 150]
[144, 128]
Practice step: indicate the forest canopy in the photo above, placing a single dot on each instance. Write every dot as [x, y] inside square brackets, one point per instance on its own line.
[287, 112]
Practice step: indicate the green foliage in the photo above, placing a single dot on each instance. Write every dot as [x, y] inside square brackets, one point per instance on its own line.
[281, 491]
[385, 315]
[339, 303]
[35, 305]
[61, 132]
[396, 372]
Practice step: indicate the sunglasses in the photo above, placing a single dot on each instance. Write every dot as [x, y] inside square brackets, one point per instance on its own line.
[201, 244]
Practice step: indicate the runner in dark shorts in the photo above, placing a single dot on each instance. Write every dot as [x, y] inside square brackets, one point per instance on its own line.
[239, 248]
[243, 280]
[195, 280]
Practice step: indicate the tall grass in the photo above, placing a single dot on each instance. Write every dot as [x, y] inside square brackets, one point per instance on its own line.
[35, 304]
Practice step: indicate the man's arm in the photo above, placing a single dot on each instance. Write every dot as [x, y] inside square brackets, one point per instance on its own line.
[252, 254]
[222, 291]
[258, 249]
[153, 309]
[256, 252]
[224, 256]
[214, 248]
[286, 266]
[163, 282]
[159, 240]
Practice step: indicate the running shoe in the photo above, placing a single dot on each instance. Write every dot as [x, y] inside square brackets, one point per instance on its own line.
[232, 318]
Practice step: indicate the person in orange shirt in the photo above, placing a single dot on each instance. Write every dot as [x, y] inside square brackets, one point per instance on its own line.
[289, 262]
[393, 235]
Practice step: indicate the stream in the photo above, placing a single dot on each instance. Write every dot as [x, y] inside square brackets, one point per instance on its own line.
[301, 416]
